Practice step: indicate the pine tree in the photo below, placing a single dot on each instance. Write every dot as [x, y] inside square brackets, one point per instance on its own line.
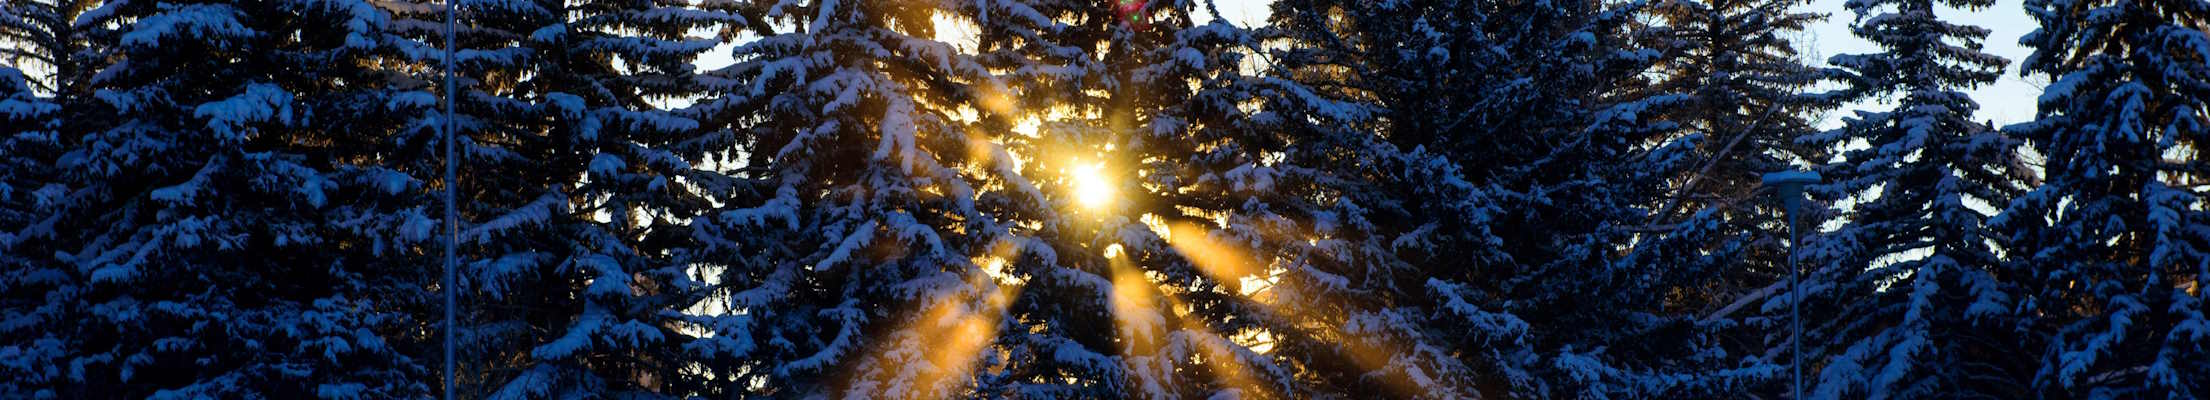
[36, 292]
[1116, 87]
[39, 43]
[573, 189]
[37, 36]
[862, 205]
[30, 349]
[1251, 248]
[1909, 299]
[1731, 79]
[2111, 245]
[1539, 106]
[1442, 82]
[1070, 305]
[215, 225]
[28, 122]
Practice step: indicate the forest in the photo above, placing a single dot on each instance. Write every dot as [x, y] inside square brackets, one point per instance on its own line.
[1098, 199]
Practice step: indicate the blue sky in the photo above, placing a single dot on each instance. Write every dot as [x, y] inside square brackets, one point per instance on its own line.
[2008, 101]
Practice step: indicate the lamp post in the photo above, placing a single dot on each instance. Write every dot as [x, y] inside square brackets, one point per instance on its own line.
[1790, 189]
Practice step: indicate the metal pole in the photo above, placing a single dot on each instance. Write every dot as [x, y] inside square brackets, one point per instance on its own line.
[1790, 187]
[1795, 300]
[452, 225]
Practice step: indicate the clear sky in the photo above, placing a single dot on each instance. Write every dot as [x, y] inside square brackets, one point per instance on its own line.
[2008, 101]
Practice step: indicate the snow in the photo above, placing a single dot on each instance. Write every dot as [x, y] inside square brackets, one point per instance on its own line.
[217, 22]
[1448, 198]
[259, 103]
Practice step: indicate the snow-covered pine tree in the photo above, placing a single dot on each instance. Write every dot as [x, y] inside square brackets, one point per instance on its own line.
[1247, 249]
[36, 47]
[1732, 79]
[1100, 307]
[31, 353]
[36, 292]
[573, 188]
[37, 51]
[867, 198]
[1440, 81]
[1043, 53]
[220, 224]
[1907, 298]
[2110, 248]
[28, 138]
[1539, 105]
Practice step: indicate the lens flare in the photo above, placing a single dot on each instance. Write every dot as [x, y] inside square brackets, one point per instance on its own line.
[1091, 188]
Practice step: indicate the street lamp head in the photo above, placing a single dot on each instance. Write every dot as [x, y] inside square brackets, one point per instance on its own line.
[1788, 178]
[1790, 186]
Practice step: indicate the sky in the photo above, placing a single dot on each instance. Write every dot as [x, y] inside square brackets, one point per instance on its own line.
[2008, 101]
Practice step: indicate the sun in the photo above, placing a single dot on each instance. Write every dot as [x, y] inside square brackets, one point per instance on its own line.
[1091, 189]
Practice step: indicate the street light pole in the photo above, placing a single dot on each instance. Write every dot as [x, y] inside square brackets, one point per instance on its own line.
[452, 183]
[1790, 189]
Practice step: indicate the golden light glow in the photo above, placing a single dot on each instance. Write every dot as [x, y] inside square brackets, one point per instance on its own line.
[934, 356]
[996, 101]
[1135, 311]
[1147, 316]
[1232, 263]
[1091, 188]
[1218, 259]
[1220, 354]
[959, 336]
[997, 264]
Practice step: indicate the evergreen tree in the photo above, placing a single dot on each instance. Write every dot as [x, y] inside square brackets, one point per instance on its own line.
[217, 227]
[1540, 106]
[1118, 89]
[31, 350]
[1908, 296]
[1732, 80]
[863, 201]
[1083, 199]
[1070, 305]
[573, 189]
[1442, 82]
[36, 292]
[46, 70]
[2111, 245]
[34, 35]
[1252, 248]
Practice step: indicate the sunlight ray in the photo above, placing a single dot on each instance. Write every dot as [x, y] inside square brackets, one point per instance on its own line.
[1240, 270]
[1216, 258]
[1224, 357]
[1140, 324]
[936, 355]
